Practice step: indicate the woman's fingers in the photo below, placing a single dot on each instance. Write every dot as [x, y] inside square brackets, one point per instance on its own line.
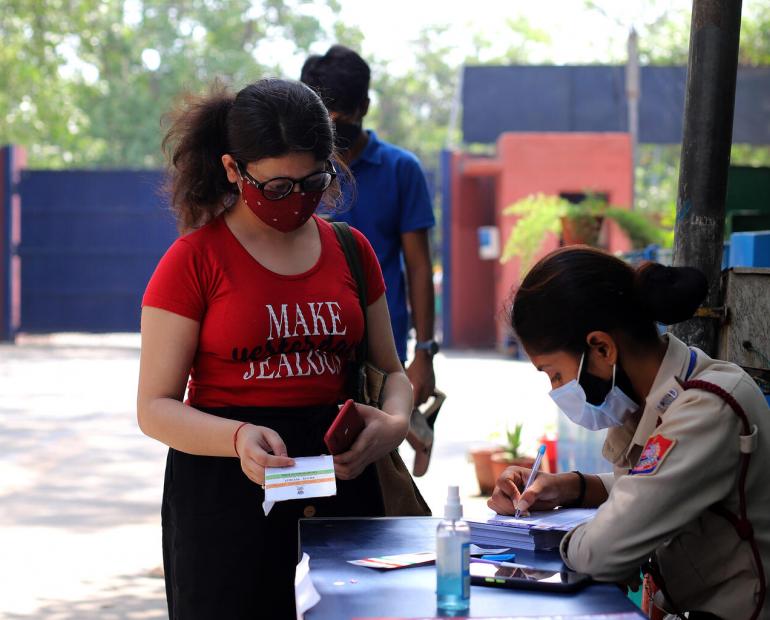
[509, 488]
[263, 459]
[257, 476]
[272, 442]
[254, 465]
[363, 443]
[349, 464]
[506, 497]
[370, 445]
[529, 497]
[368, 412]
[256, 456]
[501, 503]
[253, 472]
[542, 493]
[350, 470]
[345, 458]
[346, 473]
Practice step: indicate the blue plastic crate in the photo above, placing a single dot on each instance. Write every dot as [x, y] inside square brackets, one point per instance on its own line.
[750, 249]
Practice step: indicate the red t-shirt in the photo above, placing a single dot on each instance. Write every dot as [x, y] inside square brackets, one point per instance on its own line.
[266, 340]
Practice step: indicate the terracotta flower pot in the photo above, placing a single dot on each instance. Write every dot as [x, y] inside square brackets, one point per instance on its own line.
[583, 230]
[501, 461]
[482, 461]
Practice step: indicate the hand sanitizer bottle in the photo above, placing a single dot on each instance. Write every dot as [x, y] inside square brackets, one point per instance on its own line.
[453, 539]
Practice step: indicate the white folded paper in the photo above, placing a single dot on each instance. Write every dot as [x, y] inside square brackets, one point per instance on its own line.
[305, 594]
[310, 476]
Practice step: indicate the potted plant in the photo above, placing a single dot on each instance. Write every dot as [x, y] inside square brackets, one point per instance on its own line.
[540, 214]
[512, 455]
[482, 463]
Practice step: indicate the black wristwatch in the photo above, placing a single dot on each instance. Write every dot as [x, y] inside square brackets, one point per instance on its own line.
[431, 346]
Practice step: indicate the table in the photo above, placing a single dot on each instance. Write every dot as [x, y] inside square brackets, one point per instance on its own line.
[349, 591]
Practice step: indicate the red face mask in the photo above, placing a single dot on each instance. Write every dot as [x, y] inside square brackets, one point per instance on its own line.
[286, 214]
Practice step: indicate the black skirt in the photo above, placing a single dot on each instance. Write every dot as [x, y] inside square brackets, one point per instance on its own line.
[222, 557]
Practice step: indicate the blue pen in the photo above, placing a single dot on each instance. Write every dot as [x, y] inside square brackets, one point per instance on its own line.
[533, 473]
[496, 558]
[500, 559]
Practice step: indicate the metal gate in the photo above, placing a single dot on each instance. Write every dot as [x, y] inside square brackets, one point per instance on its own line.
[89, 243]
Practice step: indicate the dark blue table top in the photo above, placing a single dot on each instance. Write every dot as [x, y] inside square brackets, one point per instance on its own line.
[349, 591]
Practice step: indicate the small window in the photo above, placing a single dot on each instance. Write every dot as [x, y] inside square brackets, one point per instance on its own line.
[577, 197]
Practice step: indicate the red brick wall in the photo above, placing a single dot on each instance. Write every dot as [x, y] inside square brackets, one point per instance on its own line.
[526, 163]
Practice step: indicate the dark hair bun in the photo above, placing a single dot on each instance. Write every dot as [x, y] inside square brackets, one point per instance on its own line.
[312, 62]
[670, 294]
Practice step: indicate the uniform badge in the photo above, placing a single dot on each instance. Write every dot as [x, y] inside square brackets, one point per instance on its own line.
[653, 454]
[667, 399]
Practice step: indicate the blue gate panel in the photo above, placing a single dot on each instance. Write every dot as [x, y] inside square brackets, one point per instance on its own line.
[80, 229]
[497, 99]
[606, 113]
[661, 106]
[90, 241]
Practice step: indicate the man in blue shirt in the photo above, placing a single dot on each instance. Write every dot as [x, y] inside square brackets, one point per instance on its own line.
[391, 206]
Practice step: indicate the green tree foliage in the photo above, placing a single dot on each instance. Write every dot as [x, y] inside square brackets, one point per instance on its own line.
[664, 30]
[755, 26]
[414, 108]
[35, 103]
[78, 84]
[664, 38]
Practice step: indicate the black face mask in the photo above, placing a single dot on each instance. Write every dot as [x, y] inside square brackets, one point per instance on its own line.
[624, 383]
[596, 388]
[346, 134]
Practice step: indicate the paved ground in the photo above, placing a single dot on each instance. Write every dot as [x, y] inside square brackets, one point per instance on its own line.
[80, 485]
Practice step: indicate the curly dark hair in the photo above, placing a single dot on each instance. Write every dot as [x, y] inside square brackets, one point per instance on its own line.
[269, 118]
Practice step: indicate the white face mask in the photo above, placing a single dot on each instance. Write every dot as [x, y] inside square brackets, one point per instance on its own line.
[571, 399]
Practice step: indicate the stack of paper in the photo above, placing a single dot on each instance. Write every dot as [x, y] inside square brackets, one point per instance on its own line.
[622, 615]
[540, 530]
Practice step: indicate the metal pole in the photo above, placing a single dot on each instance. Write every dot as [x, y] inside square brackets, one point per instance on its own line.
[706, 141]
[454, 112]
[632, 98]
[6, 243]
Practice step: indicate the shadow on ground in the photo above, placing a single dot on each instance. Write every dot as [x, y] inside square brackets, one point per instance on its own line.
[131, 597]
[79, 480]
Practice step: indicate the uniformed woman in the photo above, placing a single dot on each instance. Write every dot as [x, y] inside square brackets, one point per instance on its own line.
[688, 435]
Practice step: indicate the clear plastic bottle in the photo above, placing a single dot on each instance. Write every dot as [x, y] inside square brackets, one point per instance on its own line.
[453, 539]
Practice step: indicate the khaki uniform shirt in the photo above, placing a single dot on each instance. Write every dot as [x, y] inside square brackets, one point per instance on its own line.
[661, 506]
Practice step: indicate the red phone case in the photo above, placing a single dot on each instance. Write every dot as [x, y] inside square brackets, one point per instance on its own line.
[343, 431]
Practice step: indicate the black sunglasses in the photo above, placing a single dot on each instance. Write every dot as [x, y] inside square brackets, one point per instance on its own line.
[280, 187]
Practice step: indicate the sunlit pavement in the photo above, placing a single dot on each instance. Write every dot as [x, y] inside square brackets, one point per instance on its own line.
[80, 486]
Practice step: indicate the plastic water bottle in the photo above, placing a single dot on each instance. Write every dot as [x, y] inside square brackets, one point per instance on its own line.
[453, 541]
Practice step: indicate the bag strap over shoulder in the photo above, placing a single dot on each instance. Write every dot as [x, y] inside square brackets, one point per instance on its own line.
[740, 521]
[400, 494]
[353, 257]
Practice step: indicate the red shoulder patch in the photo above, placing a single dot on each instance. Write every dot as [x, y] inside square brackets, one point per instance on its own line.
[653, 454]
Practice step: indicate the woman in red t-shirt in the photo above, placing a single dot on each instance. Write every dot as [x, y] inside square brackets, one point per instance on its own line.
[256, 306]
